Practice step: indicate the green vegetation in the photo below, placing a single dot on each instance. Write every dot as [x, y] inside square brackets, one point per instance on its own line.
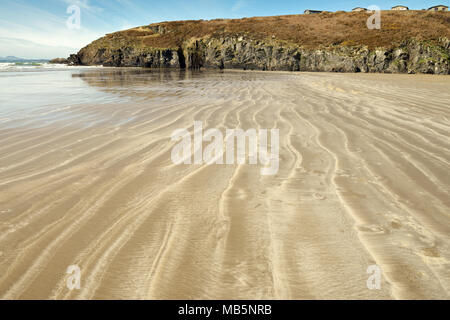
[34, 64]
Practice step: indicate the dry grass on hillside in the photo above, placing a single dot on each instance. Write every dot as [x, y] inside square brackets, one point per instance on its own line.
[345, 28]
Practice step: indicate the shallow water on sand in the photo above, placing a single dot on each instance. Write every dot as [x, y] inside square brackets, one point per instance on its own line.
[86, 179]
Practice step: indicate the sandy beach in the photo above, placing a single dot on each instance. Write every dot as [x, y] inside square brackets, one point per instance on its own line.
[86, 179]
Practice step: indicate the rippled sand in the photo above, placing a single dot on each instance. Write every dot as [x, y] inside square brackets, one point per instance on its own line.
[364, 180]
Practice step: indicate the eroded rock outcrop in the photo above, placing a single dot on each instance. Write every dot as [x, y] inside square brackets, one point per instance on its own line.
[59, 61]
[410, 57]
[171, 46]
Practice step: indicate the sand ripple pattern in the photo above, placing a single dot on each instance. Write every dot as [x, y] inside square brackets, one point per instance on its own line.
[364, 179]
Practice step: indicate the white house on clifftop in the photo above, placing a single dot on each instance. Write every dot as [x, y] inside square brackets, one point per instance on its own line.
[312, 11]
[440, 7]
[400, 8]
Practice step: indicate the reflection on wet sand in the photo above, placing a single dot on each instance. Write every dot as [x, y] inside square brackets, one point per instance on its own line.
[363, 180]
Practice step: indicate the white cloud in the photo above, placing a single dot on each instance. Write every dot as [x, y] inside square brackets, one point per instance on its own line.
[31, 50]
[238, 5]
[29, 28]
[84, 4]
[58, 35]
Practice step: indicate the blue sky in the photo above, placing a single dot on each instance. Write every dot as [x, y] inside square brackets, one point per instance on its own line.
[37, 28]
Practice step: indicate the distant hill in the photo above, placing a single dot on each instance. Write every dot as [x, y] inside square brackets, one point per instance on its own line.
[10, 59]
[408, 41]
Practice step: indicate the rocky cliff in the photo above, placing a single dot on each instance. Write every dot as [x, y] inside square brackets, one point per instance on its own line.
[251, 44]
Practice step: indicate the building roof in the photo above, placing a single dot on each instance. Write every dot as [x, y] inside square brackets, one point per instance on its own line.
[399, 6]
[439, 5]
[359, 8]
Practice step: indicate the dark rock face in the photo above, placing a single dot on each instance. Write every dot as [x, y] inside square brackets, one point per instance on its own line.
[410, 57]
[74, 60]
[128, 57]
[240, 53]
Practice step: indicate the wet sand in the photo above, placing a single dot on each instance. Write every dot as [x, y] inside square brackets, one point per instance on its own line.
[364, 180]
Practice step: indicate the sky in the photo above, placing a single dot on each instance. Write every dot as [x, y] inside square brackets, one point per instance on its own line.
[38, 29]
